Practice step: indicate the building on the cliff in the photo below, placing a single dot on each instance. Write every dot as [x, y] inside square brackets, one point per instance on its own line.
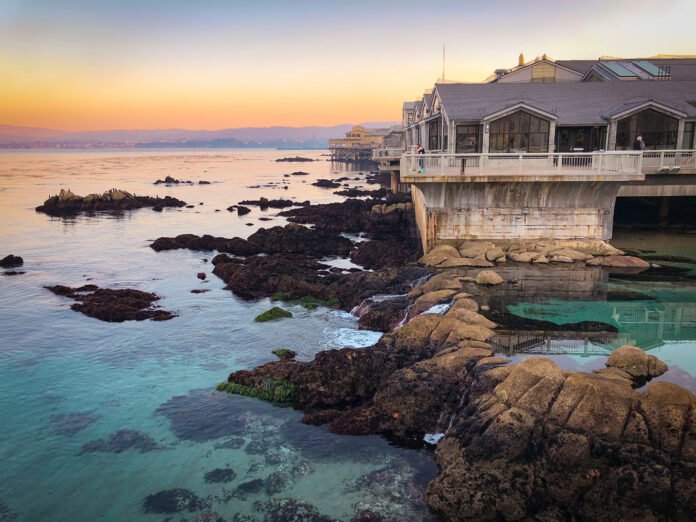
[543, 149]
[357, 145]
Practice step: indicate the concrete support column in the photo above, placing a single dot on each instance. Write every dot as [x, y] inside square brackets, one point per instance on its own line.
[552, 136]
[680, 134]
[611, 136]
[485, 138]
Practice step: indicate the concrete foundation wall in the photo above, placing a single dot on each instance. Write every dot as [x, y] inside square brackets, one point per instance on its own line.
[661, 185]
[517, 210]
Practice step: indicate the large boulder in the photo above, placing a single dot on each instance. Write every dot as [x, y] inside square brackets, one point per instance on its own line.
[488, 277]
[640, 366]
[618, 262]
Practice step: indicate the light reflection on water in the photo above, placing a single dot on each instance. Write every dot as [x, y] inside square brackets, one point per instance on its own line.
[67, 380]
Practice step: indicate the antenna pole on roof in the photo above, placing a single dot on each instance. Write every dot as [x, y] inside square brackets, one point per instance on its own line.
[443, 62]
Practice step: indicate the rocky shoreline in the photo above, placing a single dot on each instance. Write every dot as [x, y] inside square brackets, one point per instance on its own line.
[513, 441]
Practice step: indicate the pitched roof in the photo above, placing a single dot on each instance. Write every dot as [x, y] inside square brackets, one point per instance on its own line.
[682, 69]
[582, 103]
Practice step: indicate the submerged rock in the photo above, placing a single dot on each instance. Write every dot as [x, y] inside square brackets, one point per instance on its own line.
[113, 306]
[174, 500]
[292, 510]
[618, 262]
[69, 424]
[122, 440]
[488, 277]
[219, 476]
[66, 203]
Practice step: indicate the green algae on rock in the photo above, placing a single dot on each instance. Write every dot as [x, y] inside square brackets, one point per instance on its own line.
[272, 314]
[270, 390]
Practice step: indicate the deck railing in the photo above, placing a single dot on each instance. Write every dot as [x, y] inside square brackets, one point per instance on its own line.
[527, 164]
[379, 154]
[669, 161]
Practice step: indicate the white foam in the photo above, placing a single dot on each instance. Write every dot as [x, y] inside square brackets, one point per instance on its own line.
[349, 337]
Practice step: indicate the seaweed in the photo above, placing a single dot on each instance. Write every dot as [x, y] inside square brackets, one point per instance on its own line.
[272, 314]
[307, 302]
[270, 390]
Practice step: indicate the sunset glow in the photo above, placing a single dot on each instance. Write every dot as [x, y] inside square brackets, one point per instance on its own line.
[97, 65]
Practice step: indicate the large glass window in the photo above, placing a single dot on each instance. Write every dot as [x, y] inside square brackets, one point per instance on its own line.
[467, 139]
[519, 132]
[659, 131]
[434, 135]
[689, 131]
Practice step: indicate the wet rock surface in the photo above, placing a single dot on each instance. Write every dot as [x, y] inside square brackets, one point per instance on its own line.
[290, 239]
[326, 183]
[265, 203]
[525, 441]
[68, 204]
[113, 305]
[11, 261]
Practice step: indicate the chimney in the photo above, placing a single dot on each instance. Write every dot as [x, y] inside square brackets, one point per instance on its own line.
[520, 60]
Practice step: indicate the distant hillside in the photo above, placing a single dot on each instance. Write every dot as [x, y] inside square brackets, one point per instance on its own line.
[271, 137]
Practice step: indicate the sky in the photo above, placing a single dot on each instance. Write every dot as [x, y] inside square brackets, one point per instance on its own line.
[204, 64]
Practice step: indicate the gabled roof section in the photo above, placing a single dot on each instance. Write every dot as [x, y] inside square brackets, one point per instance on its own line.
[581, 103]
[532, 63]
[514, 105]
[640, 104]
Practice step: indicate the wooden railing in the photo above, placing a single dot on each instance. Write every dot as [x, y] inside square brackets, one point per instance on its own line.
[669, 161]
[527, 164]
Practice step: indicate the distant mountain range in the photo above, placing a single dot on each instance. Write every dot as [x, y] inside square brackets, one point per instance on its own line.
[246, 137]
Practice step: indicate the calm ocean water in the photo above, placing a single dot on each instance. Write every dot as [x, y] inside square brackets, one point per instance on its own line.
[94, 417]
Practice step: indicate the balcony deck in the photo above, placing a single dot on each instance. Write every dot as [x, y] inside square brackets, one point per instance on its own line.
[528, 167]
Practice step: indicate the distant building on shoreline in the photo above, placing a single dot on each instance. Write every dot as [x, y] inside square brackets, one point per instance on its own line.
[358, 144]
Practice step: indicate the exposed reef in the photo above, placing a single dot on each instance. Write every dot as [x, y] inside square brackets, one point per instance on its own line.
[68, 204]
[264, 203]
[290, 239]
[524, 441]
[295, 159]
[472, 253]
[113, 305]
[172, 181]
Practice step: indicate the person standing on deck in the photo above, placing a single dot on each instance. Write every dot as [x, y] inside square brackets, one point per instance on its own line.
[421, 162]
[639, 144]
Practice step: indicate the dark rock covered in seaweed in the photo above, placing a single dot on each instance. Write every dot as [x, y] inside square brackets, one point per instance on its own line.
[292, 510]
[68, 204]
[326, 183]
[113, 305]
[296, 159]
[264, 203]
[385, 253]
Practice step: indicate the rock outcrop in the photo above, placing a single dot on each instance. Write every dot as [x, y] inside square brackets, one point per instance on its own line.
[68, 204]
[113, 305]
[11, 261]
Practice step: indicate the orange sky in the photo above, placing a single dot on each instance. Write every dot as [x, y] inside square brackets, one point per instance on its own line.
[159, 64]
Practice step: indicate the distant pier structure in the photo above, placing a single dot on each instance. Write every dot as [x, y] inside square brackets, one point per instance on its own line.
[357, 145]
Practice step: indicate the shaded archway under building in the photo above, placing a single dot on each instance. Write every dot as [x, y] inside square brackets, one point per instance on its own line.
[656, 211]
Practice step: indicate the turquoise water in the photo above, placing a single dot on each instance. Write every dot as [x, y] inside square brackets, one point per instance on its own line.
[94, 417]
[655, 310]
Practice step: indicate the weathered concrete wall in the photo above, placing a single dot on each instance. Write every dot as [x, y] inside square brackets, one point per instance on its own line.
[516, 210]
[660, 185]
